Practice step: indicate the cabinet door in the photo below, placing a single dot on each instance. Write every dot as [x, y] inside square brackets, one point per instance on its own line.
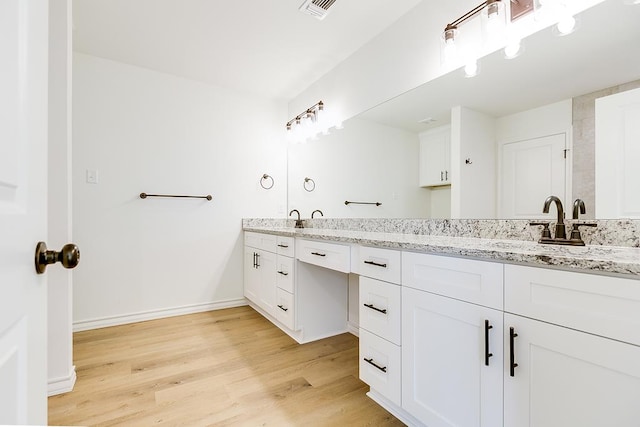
[268, 281]
[445, 381]
[568, 378]
[251, 275]
[435, 154]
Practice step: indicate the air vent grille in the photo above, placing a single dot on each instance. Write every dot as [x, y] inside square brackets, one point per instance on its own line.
[317, 8]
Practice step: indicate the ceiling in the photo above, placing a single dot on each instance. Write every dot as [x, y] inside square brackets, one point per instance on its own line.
[264, 47]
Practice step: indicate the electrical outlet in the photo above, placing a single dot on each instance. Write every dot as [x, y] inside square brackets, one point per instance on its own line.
[92, 176]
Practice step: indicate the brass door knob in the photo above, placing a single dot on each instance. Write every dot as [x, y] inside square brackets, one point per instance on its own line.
[69, 256]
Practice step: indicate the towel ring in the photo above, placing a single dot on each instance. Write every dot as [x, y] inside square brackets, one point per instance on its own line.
[264, 178]
[309, 187]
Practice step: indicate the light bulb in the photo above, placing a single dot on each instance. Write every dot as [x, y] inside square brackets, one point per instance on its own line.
[566, 24]
[471, 68]
[512, 49]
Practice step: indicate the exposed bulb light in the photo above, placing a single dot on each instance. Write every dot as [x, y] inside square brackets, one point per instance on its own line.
[566, 24]
[494, 22]
[471, 68]
[309, 124]
[512, 49]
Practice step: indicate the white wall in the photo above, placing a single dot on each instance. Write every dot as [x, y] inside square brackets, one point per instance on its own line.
[366, 162]
[61, 373]
[473, 183]
[143, 131]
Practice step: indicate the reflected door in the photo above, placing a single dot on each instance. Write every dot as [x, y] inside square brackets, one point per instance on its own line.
[618, 155]
[532, 170]
[23, 195]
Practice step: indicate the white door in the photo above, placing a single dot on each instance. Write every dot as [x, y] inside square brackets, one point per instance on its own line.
[251, 275]
[568, 378]
[23, 197]
[452, 369]
[267, 291]
[532, 170]
[618, 155]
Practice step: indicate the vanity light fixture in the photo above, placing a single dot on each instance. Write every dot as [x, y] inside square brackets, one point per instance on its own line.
[494, 24]
[311, 122]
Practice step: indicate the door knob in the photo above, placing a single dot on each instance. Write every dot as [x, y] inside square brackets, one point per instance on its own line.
[69, 256]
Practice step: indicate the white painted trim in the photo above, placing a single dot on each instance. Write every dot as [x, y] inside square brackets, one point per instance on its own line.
[85, 325]
[353, 329]
[394, 409]
[62, 384]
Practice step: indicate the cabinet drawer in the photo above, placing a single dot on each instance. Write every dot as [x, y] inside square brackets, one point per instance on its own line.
[478, 282]
[285, 308]
[284, 273]
[380, 365]
[607, 306]
[329, 255]
[285, 246]
[380, 308]
[266, 242]
[377, 263]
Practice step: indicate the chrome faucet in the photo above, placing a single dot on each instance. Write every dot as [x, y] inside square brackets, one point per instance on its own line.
[299, 223]
[560, 228]
[317, 210]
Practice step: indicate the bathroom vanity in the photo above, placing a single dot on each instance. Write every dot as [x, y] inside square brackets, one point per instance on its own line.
[464, 331]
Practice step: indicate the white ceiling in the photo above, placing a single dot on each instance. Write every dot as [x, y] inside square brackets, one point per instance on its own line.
[264, 47]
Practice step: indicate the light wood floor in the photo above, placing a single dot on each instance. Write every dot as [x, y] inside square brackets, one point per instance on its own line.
[228, 367]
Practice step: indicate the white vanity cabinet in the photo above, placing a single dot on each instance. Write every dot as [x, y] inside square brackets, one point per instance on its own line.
[285, 308]
[435, 157]
[260, 270]
[452, 347]
[380, 317]
[572, 349]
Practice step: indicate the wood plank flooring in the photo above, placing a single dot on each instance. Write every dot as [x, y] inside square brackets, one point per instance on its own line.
[225, 368]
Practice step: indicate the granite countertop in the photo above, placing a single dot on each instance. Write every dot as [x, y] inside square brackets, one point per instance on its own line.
[610, 260]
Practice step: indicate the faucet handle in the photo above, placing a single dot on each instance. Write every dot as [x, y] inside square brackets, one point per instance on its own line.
[575, 232]
[546, 233]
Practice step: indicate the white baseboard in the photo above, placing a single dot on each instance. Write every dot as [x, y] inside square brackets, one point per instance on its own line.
[353, 328]
[85, 325]
[62, 384]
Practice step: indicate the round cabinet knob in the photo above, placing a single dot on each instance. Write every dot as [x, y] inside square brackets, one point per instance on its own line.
[69, 256]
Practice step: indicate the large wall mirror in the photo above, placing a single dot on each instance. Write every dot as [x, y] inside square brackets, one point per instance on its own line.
[481, 122]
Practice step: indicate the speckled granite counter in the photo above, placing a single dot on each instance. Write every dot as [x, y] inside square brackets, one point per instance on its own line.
[610, 260]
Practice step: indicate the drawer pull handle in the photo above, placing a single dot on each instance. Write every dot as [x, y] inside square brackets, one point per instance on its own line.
[283, 273]
[318, 254]
[254, 260]
[512, 355]
[372, 363]
[372, 307]
[376, 264]
[283, 246]
[487, 355]
[282, 308]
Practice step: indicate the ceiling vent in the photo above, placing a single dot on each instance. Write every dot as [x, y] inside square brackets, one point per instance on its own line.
[316, 8]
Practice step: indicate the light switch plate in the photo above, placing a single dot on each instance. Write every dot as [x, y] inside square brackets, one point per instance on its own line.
[92, 176]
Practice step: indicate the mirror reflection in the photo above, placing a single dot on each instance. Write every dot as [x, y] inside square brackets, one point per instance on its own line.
[492, 146]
